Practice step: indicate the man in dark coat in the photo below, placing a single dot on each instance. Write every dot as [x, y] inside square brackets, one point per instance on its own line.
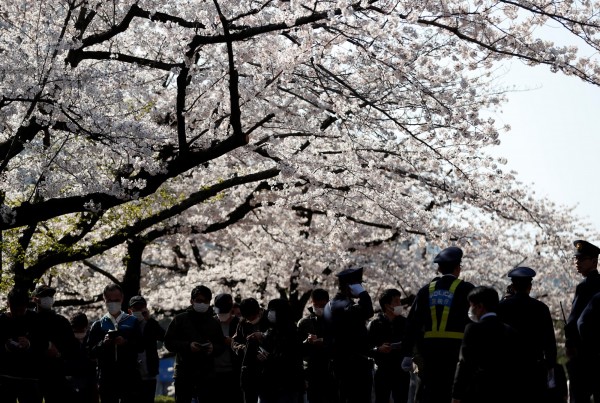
[311, 329]
[22, 347]
[227, 365]
[245, 343]
[152, 332]
[581, 366]
[386, 332]
[435, 327]
[62, 348]
[489, 355]
[532, 319]
[196, 337]
[115, 341]
[347, 337]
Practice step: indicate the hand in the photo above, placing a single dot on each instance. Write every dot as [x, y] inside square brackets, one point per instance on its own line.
[120, 340]
[385, 348]
[455, 400]
[258, 336]
[195, 347]
[407, 364]
[262, 355]
[52, 351]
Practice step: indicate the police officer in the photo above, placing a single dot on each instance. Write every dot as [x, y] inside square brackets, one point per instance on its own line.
[62, 347]
[435, 327]
[346, 337]
[581, 364]
[532, 319]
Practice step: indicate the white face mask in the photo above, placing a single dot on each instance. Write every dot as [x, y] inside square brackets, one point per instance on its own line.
[200, 307]
[318, 311]
[113, 307]
[46, 302]
[398, 310]
[139, 315]
[472, 315]
[224, 317]
[272, 316]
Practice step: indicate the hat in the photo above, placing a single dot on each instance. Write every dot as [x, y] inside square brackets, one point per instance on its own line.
[584, 248]
[351, 275]
[223, 303]
[137, 299]
[452, 254]
[521, 272]
[44, 291]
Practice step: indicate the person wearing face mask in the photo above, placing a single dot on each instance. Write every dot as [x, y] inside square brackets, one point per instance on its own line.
[82, 369]
[435, 327]
[196, 338]
[386, 332]
[115, 341]
[227, 364]
[246, 342]
[280, 355]
[532, 319]
[347, 339]
[490, 364]
[62, 346]
[152, 332]
[311, 330]
[22, 347]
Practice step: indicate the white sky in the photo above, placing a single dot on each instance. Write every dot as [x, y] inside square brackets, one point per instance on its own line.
[554, 142]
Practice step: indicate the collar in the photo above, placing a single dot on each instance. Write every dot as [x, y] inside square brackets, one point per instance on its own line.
[116, 320]
[489, 314]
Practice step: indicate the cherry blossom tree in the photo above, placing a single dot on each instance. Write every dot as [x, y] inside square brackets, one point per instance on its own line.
[259, 146]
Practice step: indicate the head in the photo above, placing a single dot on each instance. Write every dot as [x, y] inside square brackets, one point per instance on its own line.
[585, 257]
[319, 298]
[482, 300]
[390, 302]
[18, 299]
[223, 306]
[113, 298]
[79, 325]
[521, 278]
[348, 277]
[138, 307]
[250, 310]
[43, 297]
[279, 312]
[449, 260]
[200, 299]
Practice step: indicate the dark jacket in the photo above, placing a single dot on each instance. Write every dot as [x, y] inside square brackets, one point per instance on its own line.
[192, 326]
[17, 362]
[584, 292]
[58, 331]
[282, 370]
[152, 332]
[247, 351]
[346, 330]
[116, 362]
[532, 319]
[315, 355]
[486, 371]
[383, 330]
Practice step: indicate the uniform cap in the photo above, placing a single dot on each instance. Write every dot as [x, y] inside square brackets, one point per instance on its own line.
[584, 248]
[521, 272]
[44, 291]
[137, 299]
[452, 254]
[351, 275]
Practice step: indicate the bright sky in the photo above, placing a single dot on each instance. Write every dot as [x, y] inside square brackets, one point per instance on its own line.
[554, 142]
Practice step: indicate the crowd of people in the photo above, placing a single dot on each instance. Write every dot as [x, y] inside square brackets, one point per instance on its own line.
[458, 343]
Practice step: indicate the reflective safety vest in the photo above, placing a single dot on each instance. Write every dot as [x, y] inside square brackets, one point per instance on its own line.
[443, 298]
